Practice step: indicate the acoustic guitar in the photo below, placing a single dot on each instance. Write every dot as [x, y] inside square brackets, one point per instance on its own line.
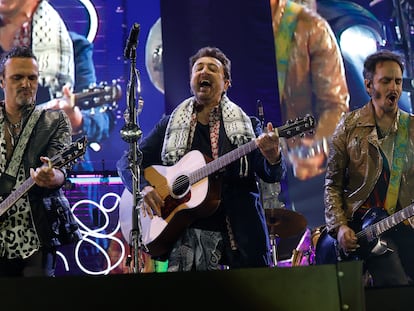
[191, 192]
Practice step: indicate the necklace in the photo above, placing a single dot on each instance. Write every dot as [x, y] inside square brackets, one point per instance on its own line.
[388, 128]
[14, 130]
[382, 133]
[15, 125]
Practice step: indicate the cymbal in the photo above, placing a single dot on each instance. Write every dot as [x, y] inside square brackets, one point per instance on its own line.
[283, 222]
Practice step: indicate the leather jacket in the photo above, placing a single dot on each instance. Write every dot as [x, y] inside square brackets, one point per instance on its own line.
[315, 79]
[354, 166]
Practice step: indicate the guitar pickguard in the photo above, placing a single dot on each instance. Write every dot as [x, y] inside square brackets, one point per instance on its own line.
[170, 204]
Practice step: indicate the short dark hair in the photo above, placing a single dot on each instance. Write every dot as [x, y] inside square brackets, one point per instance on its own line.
[378, 57]
[210, 51]
[16, 52]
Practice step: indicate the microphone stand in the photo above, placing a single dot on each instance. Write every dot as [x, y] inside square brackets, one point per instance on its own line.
[131, 133]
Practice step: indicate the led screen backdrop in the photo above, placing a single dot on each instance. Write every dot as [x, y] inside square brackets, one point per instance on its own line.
[107, 24]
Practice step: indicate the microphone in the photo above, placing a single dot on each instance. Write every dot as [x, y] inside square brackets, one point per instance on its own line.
[260, 112]
[132, 39]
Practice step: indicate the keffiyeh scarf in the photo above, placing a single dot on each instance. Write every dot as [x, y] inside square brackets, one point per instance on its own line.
[181, 126]
[52, 45]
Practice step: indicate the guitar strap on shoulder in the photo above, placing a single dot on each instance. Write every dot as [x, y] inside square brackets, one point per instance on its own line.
[283, 41]
[16, 159]
[400, 147]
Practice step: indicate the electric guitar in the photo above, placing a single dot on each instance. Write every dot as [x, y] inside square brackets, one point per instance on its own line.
[66, 156]
[92, 97]
[189, 193]
[374, 223]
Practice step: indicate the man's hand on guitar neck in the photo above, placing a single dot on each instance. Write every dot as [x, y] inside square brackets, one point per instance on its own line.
[151, 202]
[67, 104]
[268, 144]
[47, 176]
[347, 239]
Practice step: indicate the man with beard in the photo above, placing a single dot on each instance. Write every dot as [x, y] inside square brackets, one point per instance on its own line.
[370, 175]
[234, 232]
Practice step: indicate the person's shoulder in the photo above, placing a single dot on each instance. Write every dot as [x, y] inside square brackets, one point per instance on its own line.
[79, 41]
[309, 16]
[163, 121]
[53, 114]
[357, 116]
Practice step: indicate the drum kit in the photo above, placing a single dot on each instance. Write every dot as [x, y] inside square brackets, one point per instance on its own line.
[283, 223]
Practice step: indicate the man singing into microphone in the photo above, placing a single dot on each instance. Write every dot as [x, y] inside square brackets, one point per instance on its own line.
[235, 233]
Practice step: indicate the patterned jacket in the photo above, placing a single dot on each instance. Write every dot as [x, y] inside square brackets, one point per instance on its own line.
[53, 219]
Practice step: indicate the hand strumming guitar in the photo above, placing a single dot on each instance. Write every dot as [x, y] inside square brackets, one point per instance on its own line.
[347, 239]
[151, 202]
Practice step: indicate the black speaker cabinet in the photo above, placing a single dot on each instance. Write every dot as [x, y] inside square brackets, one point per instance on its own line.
[322, 288]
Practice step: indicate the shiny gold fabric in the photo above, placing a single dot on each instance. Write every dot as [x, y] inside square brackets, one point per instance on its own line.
[315, 82]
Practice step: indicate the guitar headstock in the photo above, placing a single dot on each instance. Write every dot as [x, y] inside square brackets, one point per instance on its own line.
[297, 126]
[98, 95]
[70, 153]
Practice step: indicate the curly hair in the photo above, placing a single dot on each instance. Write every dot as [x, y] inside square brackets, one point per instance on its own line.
[380, 56]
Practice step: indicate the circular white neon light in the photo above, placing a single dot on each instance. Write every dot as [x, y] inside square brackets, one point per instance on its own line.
[93, 19]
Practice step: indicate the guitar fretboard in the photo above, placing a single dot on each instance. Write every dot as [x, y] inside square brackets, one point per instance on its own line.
[375, 230]
[69, 154]
[221, 162]
[290, 129]
[16, 195]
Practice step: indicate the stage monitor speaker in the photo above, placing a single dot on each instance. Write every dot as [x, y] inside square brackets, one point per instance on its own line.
[324, 287]
[398, 298]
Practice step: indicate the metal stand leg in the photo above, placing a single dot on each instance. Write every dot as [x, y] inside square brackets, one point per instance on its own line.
[273, 244]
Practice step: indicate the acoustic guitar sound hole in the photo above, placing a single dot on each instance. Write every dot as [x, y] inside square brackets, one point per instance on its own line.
[180, 186]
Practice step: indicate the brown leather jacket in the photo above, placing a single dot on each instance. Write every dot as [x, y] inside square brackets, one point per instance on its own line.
[354, 166]
[315, 81]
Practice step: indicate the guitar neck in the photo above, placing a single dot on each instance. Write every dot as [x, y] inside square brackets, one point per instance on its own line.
[67, 155]
[91, 98]
[16, 195]
[387, 223]
[219, 163]
[290, 129]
